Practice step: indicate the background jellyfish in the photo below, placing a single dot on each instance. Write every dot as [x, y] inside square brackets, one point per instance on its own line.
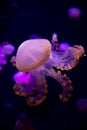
[6, 48]
[74, 13]
[25, 124]
[63, 46]
[38, 59]
[81, 105]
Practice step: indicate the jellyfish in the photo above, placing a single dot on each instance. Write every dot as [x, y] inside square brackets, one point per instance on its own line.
[23, 124]
[6, 49]
[63, 46]
[36, 57]
[81, 105]
[3, 60]
[74, 13]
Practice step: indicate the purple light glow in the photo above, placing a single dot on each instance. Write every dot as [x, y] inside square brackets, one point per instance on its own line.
[21, 77]
[3, 61]
[1, 68]
[63, 46]
[74, 13]
[7, 48]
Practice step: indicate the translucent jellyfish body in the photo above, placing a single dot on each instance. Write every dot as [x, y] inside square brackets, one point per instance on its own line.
[34, 52]
[36, 58]
[8, 49]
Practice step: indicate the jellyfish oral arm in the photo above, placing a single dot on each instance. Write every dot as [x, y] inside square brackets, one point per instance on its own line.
[68, 59]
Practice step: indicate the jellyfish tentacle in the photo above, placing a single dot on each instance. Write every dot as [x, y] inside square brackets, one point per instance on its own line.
[35, 92]
[65, 83]
[42, 91]
[68, 59]
[36, 100]
[19, 89]
[80, 50]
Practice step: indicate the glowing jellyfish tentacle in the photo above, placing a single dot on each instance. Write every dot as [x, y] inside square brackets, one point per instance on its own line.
[19, 89]
[24, 89]
[68, 59]
[35, 91]
[42, 91]
[80, 50]
[65, 83]
[65, 60]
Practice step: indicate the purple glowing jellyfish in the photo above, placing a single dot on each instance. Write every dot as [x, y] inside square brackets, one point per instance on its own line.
[21, 77]
[74, 13]
[7, 48]
[63, 46]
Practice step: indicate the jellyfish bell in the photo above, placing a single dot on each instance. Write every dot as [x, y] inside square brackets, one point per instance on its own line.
[74, 13]
[32, 54]
[8, 48]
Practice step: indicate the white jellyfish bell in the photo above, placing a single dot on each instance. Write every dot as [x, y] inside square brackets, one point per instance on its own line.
[32, 54]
